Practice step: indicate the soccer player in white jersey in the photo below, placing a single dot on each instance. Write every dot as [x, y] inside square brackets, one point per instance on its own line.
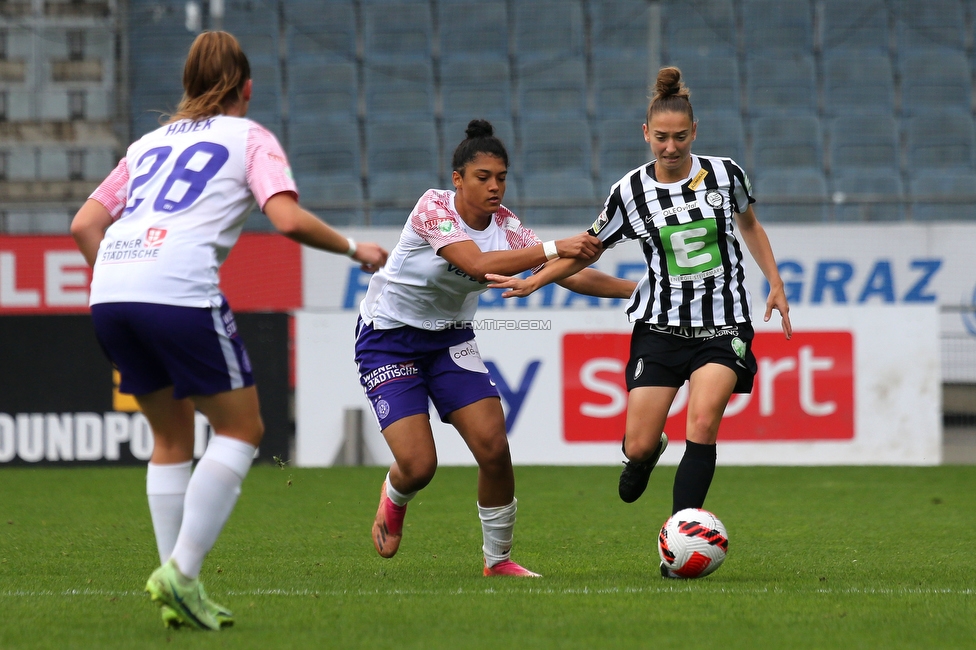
[156, 232]
[691, 311]
[415, 342]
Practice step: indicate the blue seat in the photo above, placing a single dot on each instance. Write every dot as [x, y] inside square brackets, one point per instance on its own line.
[547, 30]
[797, 195]
[787, 141]
[778, 83]
[621, 148]
[777, 25]
[553, 89]
[398, 31]
[702, 28]
[874, 194]
[553, 146]
[324, 147]
[856, 24]
[400, 91]
[402, 160]
[930, 24]
[935, 80]
[620, 87]
[320, 30]
[472, 89]
[941, 141]
[858, 81]
[720, 133]
[864, 141]
[475, 30]
[715, 82]
[619, 29]
[266, 94]
[943, 195]
[325, 90]
[562, 197]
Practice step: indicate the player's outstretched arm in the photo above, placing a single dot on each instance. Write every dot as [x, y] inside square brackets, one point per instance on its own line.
[552, 272]
[88, 228]
[591, 282]
[297, 223]
[466, 256]
[757, 241]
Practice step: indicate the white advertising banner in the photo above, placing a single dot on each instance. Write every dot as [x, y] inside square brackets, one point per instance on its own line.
[855, 385]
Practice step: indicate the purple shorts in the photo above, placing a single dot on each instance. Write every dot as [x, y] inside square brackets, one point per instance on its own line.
[195, 350]
[404, 369]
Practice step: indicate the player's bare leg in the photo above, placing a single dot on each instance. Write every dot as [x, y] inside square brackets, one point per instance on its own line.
[412, 443]
[644, 437]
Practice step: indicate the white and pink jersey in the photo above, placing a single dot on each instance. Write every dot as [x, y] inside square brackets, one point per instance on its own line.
[418, 287]
[179, 200]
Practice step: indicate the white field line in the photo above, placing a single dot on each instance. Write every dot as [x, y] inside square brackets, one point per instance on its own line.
[584, 591]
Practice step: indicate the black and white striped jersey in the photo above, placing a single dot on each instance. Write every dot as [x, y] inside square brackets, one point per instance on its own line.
[695, 276]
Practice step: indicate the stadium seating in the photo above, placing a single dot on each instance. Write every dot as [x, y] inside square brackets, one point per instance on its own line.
[472, 89]
[777, 25]
[552, 89]
[536, 23]
[705, 28]
[793, 141]
[619, 29]
[864, 142]
[621, 149]
[715, 81]
[398, 31]
[781, 83]
[797, 195]
[935, 80]
[860, 25]
[858, 82]
[943, 194]
[476, 30]
[720, 133]
[399, 90]
[320, 31]
[930, 24]
[870, 194]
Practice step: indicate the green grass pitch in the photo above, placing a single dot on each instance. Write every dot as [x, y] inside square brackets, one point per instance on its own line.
[818, 558]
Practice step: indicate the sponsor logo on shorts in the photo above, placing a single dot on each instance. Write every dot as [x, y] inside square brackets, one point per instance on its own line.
[639, 368]
[382, 409]
[739, 347]
[714, 198]
[466, 355]
[383, 374]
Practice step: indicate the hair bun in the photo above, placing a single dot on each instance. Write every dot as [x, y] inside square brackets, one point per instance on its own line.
[479, 129]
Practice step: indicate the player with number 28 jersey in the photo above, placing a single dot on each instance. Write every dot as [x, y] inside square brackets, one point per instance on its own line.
[154, 251]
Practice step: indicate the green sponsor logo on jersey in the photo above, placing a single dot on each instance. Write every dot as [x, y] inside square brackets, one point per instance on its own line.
[445, 226]
[691, 248]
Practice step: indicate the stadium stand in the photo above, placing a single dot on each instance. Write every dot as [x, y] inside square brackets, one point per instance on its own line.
[856, 81]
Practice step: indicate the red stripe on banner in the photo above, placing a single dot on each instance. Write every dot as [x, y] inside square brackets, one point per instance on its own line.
[48, 275]
[804, 390]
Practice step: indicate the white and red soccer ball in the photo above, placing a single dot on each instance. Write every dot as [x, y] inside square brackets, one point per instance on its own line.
[693, 543]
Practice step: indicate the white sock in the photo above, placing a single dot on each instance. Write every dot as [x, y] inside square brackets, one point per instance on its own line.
[165, 489]
[497, 525]
[394, 495]
[210, 498]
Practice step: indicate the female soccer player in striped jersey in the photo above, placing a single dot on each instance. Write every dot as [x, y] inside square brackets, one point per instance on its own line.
[415, 343]
[156, 232]
[691, 311]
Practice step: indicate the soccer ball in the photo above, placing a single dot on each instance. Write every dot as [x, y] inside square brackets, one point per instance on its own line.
[693, 543]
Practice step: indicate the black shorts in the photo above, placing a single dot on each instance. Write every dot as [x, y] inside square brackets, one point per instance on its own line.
[666, 356]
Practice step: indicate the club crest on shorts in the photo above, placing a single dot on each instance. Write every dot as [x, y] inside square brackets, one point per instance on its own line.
[639, 368]
[382, 408]
[739, 347]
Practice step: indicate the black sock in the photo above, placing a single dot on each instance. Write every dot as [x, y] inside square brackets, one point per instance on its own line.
[694, 476]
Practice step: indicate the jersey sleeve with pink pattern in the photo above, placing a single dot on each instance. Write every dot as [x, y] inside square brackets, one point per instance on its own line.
[517, 235]
[111, 192]
[266, 165]
[434, 220]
